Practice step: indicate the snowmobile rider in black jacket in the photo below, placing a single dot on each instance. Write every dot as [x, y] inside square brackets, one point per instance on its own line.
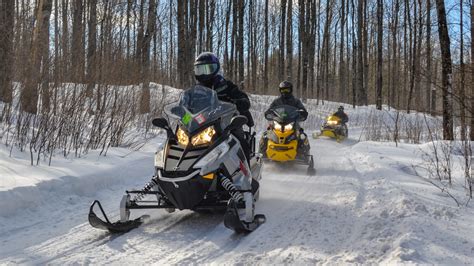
[340, 113]
[206, 72]
[287, 98]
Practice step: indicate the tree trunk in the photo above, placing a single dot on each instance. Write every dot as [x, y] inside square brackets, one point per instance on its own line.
[149, 33]
[342, 64]
[430, 90]
[91, 48]
[462, 94]
[379, 53]
[39, 54]
[7, 13]
[77, 56]
[396, 55]
[289, 42]
[265, 51]
[281, 65]
[360, 59]
[471, 135]
[446, 71]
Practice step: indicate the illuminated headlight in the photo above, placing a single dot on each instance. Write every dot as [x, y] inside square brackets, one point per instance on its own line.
[333, 122]
[289, 127]
[213, 155]
[182, 137]
[159, 161]
[276, 125]
[204, 137]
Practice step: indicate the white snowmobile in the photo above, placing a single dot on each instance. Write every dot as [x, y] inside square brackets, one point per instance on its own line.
[201, 167]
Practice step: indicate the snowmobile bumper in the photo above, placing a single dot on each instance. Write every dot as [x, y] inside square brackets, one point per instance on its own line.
[281, 152]
[186, 192]
[117, 227]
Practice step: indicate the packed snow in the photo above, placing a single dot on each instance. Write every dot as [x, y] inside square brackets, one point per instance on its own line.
[370, 202]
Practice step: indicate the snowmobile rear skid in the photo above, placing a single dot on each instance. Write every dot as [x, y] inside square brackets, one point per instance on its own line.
[201, 167]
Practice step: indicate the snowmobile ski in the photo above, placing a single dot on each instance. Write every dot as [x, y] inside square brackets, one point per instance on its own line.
[232, 220]
[117, 227]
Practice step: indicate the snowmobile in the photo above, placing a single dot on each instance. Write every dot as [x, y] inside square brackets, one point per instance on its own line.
[202, 167]
[333, 128]
[284, 140]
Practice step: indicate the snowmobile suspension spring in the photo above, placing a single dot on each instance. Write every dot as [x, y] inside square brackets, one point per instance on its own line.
[148, 186]
[230, 187]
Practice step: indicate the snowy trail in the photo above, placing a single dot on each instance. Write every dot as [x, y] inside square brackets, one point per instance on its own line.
[355, 210]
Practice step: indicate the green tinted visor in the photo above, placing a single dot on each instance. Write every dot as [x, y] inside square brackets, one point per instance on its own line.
[205, 69]
[285, 90]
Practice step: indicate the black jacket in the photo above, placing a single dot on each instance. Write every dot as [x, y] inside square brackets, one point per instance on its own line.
[292, 101]
[343, 116]
[229, 92]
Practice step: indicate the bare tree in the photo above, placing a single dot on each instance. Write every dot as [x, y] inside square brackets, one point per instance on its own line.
[471, 136]
[7, 9]
[379, 53]
[446, 71]
[289, 41]
[39, 55]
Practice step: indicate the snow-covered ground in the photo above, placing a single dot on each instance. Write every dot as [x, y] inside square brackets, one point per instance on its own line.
[365, 205]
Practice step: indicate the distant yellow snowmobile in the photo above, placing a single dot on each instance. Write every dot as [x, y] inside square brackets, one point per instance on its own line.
[333, 128]
[283, 141]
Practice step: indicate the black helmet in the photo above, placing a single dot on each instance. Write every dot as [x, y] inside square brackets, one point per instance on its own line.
[286, 88]
[206, 67]
[341, 108]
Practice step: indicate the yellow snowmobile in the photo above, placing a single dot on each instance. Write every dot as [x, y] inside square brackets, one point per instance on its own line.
[284, 140]
[333, 128]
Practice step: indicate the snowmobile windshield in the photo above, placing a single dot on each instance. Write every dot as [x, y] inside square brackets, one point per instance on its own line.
[198, 106]
[284, 114]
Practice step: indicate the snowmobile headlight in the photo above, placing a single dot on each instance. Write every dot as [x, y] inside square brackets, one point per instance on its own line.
[183, 138]
[213, 155]
[204, 137]
[277, 125]
[159, 162]
[289, 127]
[333, 122]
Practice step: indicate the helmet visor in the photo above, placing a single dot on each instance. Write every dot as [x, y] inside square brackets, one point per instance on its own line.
[285, 90]
[205, 69]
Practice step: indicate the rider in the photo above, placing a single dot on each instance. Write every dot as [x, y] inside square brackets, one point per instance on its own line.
[206, 72]
[286, 98]
[340, 113]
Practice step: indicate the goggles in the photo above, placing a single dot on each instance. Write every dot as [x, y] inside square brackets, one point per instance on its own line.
[205, 69]
[285, 90]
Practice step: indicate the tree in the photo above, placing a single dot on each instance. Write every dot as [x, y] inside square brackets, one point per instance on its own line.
[471, 137]
[446, 75]
[379, 53]
[7, 9]
[77, 45]
[39, 56]
[91, 48]
[289, 41]
[145, 60]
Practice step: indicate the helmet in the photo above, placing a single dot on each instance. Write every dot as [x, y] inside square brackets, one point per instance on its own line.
[286, 88]
[206, 67]
[341, 108]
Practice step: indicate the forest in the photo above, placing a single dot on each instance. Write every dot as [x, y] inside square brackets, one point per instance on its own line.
[411, 55]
